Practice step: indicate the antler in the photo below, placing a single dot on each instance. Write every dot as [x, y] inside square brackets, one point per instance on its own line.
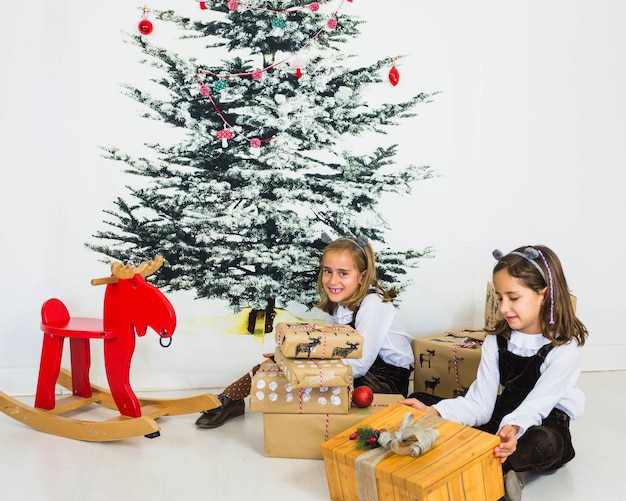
[126, 271]
[145, 269]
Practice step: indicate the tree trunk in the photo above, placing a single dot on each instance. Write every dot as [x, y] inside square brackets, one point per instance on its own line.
[265, 316]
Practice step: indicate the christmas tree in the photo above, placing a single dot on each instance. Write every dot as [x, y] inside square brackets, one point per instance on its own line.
[237, 207]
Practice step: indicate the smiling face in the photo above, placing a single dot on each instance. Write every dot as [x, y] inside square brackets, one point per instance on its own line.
[520, 305]
[340, 276]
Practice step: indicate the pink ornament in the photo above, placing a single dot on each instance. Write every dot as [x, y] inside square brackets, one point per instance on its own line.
[232, 5]
[314, 6]
[255, 143]
[204, 90]
[224, 135]
[331, 23]
[257, 74]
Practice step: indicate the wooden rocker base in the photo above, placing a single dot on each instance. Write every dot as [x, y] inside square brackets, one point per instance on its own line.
[117, 428]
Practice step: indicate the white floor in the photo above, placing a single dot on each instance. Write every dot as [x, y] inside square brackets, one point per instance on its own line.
[227, 463]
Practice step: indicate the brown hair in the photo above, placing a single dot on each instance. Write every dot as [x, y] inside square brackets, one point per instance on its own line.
[566, 325]
[363, 256]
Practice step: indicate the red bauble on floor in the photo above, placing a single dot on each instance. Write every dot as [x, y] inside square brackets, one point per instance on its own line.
[362, 396]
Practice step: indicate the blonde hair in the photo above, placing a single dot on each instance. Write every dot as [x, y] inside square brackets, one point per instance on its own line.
[364, 260]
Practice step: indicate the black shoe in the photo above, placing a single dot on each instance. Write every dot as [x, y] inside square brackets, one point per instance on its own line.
[218, 416]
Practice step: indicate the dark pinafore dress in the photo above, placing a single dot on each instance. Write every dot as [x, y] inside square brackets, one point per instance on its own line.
[381, 376]
[544, 447]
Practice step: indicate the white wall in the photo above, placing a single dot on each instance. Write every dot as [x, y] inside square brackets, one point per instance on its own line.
[527, 136]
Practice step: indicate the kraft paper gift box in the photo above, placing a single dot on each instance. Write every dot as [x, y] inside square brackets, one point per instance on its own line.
[318, 340]
[446, 363]
[314, 373]
[460, 466]
[272, 393]
[299, 436]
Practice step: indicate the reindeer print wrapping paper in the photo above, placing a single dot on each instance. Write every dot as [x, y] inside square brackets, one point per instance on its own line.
[320, 341]
[271, 392]
[446, 363]
[314, 373]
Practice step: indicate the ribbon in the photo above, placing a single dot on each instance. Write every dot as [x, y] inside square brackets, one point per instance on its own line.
[411, 439]
[365, 467]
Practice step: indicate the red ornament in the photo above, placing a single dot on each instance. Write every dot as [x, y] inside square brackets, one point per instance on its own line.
[394, 76]
[362, 396]
[145, 27]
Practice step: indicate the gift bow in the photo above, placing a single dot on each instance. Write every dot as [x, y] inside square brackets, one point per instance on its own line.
[411, 439]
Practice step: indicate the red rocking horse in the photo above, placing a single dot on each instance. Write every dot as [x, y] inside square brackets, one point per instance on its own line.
[131, 305]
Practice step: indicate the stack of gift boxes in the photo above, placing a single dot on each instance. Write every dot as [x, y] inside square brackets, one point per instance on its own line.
[305, 393]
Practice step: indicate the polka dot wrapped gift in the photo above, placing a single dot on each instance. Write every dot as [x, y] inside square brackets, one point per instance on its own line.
[272, 393]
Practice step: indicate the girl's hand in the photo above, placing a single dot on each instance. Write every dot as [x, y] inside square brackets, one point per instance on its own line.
[416, 404]
[508, 442]
[268, 355]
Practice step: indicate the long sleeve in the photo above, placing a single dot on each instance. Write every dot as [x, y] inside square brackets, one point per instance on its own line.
[383, 334]
[556, 386]
[476, 407]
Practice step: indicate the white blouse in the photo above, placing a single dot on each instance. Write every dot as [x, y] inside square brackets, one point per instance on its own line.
[556, 386]
[382, 331]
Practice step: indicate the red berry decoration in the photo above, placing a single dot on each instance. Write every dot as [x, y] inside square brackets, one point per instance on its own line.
[362, 396]
[366, 438]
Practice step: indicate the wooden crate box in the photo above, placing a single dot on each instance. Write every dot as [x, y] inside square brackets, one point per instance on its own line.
[461, 465]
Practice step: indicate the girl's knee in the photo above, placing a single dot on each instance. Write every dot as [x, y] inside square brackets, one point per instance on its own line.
[542, 448]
